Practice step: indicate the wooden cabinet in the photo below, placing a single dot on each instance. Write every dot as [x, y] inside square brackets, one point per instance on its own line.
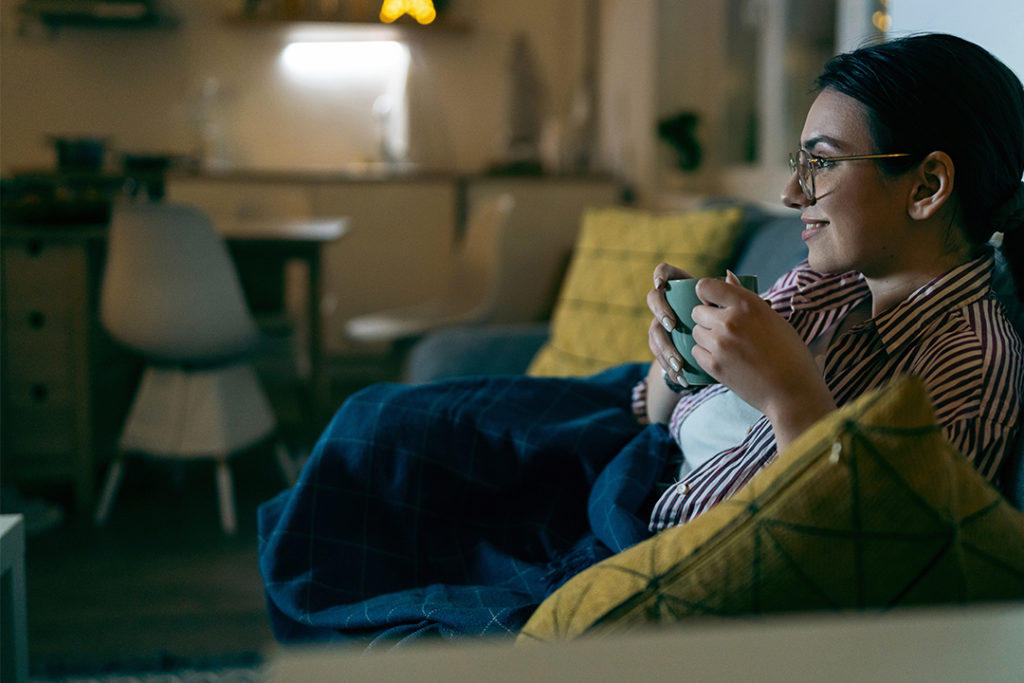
[64, 384]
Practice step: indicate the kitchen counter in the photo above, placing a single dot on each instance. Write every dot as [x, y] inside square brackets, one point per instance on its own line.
[371, 172]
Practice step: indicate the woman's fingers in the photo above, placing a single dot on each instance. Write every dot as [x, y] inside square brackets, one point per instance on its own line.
[664, 272]
[663, 350]
[660, 309]
[722, 293]
[656, 301]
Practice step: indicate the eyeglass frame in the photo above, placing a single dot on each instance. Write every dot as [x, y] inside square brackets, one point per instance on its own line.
[816, 163]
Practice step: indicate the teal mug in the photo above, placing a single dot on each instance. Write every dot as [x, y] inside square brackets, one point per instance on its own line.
[682, 297]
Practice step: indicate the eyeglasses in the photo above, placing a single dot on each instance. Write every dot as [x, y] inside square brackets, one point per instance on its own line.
[805, 165]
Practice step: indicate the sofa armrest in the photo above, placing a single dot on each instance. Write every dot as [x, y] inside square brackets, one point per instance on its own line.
[504, 349]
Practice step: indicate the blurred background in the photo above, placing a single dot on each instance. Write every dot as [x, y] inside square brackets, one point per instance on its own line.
[277, 110]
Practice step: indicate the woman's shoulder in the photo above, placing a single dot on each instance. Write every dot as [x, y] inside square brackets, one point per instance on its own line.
[977, 355]
[982, 327]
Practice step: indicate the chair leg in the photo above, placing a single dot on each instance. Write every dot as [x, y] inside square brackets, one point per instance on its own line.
[285, 462]
[226, 497]
[110, 488]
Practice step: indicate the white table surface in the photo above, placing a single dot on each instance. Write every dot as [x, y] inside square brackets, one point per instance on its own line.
[14, 626]
[936, 645]
[284, 229]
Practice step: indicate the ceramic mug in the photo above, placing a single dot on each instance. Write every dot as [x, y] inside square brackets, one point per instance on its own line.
[682, 297]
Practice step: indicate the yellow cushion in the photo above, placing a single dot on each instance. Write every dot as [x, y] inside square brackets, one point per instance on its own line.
[601, 316]
[871, 507]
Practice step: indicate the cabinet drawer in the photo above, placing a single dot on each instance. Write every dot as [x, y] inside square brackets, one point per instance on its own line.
[40, 344]
[38, 390]
[38, 274]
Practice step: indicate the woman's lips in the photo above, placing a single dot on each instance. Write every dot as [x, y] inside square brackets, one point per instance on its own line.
[812, 228]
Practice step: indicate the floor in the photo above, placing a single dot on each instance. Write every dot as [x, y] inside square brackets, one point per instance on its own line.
[161, 583]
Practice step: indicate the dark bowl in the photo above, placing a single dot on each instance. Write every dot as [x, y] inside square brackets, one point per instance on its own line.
[80, 154]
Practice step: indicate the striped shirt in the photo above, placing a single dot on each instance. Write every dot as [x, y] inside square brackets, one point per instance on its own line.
[952, 333]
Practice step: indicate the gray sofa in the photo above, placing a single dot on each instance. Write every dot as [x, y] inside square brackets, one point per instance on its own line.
[769, 246]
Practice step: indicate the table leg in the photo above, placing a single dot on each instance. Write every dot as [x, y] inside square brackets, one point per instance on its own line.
[319, 377]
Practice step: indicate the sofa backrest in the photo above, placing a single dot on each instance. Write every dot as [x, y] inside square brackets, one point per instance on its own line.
[772, 246]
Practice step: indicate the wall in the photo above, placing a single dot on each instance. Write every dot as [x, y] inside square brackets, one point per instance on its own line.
[626, 91]
[142, 87]
[686, 62]
[996, 25]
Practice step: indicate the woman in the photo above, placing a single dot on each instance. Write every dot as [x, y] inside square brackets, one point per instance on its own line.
[903, 173]
[455, 508]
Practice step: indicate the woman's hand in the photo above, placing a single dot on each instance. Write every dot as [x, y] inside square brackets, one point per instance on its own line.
[661, 401]
[745, 345]
[659, 337]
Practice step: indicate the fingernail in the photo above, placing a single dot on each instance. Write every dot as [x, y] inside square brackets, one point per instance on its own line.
[667, 323]
[731, 277]
[674, 363]
[658, 282]
[682, 380]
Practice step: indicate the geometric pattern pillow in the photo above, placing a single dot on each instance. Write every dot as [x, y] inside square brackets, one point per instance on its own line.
[601, 317]
[870, 508]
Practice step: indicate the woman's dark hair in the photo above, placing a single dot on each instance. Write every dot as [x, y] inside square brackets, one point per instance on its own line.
[937, 92]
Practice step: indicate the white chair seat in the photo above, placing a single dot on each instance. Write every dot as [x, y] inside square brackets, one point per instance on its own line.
[412, 321]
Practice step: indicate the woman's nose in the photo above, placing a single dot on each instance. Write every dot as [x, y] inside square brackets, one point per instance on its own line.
[793, 195]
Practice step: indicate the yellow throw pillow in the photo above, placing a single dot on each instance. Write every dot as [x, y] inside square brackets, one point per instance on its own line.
[870, 508]
[601, 316]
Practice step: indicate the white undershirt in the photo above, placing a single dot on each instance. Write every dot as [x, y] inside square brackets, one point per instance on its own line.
[715, 425]
[723, 421]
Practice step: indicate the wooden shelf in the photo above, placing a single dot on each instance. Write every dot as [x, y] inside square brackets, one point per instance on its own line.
[405, 24]
[410, 28]
[97, 14]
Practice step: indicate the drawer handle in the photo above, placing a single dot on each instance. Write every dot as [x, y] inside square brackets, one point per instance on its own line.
[39, 392]
[36, 320]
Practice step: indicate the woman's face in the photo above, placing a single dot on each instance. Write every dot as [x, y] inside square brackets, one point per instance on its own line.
[858, 220]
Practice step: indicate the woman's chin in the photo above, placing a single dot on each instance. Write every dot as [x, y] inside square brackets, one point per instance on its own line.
[823, 264]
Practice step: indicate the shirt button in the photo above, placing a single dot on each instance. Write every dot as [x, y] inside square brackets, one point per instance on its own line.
[682, 488]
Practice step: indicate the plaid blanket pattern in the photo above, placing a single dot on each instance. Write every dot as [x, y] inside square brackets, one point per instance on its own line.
[454, 508]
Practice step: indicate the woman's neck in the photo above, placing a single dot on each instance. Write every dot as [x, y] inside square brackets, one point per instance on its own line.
[890, 289]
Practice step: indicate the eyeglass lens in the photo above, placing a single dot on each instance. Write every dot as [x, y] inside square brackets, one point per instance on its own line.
[800, 163]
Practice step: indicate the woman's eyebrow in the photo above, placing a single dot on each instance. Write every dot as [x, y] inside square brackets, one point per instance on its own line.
[811, 143]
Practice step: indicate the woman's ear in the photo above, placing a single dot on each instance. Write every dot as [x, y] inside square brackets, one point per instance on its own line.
[933, 186]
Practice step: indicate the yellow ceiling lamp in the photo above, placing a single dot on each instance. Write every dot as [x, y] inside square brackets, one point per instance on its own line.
[420, 10]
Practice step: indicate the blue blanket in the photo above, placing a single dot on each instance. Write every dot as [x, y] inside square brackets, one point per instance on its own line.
[454, 508]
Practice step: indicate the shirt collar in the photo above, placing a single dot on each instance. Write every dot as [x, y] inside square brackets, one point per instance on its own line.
[924, 309]
[825, 292]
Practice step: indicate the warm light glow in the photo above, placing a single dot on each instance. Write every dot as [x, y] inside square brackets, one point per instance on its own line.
[421, 10]
[365, 78]
[881, 20]
[334, 60]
